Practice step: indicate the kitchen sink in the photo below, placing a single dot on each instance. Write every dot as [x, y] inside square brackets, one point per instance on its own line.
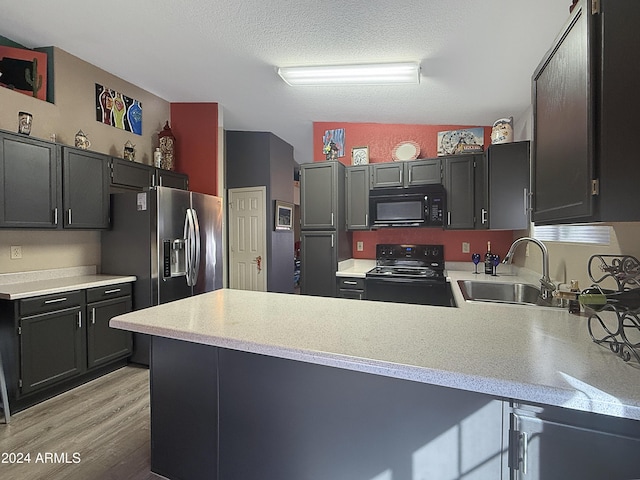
[497, 292]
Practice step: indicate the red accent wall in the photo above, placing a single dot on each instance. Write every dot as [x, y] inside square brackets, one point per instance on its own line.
[195, 126]
[381, 139]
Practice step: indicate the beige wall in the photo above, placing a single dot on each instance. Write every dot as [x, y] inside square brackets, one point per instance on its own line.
[74, 110]
[569, 261]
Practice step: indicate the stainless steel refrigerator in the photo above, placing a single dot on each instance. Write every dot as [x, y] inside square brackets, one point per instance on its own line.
[171, 240]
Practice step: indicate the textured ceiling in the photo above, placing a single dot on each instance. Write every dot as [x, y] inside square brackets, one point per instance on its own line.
[477, 56]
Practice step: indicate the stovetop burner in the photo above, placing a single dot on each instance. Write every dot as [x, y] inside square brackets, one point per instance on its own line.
[409, 261]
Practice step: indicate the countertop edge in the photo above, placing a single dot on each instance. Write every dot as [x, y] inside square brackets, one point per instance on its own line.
[60, 285]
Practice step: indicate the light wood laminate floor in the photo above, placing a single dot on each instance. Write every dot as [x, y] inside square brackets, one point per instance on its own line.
[99, 430]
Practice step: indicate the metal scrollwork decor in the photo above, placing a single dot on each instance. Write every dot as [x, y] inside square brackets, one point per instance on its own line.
[616, 326]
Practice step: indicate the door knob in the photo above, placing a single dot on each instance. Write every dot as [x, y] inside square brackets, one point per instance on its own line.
[259, 262]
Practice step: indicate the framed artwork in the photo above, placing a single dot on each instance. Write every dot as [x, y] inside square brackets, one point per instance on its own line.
[283, 215]
[335, 137]
[24, 71]
[359, 155]
[466, 140]
[118, 110]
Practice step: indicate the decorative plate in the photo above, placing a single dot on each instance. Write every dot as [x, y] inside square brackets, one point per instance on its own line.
[408, 150]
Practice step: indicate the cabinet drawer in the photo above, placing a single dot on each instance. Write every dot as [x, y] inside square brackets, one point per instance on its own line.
[46, 303]
[110, 291]
[351, 283]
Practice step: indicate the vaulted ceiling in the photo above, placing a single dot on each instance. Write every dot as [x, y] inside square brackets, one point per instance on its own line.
[477, 56]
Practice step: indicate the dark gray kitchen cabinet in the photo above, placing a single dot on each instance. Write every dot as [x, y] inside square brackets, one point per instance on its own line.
[502, 187]
[85, 195]
[106, 344]
[127, 175]
[459, 185]
[51, 340]
[29, 175]
[556, 443]
[322, 195]
[351, 287]
[357, 190]
[318, 263]
[168, 178]
[584, 113]
[387, 174]
[423, 172]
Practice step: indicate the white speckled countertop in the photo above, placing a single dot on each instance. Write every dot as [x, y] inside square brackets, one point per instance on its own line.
[15, 286]
[532, 354]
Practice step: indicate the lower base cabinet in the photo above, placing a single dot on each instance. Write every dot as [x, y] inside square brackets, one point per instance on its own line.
[351, 287]
[556, 443]
[54, 342]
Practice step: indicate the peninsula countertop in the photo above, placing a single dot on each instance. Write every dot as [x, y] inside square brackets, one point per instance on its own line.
[530, 354]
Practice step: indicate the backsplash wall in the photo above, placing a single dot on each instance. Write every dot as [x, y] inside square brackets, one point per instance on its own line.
[381, 139]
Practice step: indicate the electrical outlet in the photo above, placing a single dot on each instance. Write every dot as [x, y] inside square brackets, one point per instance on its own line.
[360, 246]
[16, 252]
[465, 247]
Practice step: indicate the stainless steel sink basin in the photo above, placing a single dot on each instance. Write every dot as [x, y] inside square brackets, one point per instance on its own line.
[515, 293]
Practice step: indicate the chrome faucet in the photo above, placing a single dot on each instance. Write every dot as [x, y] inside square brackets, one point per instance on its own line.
[546, 285]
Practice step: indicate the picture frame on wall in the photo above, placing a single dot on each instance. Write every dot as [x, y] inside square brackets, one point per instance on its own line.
[283, 215]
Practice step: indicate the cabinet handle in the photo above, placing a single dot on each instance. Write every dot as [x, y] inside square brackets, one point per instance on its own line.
[115, 290]
[69, 216]
[159, 180]
[400, 177]
[331, 241]
[448, 218]
[366, 219]
[332, 218]
[79, 319]
[410, 172]
[524, 447]
[55, 300]
[55, 216]
[484, 216]
[93, 316]
[350, 282]
[526, 203]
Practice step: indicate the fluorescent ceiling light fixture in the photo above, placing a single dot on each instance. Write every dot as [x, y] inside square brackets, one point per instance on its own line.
[365, 74]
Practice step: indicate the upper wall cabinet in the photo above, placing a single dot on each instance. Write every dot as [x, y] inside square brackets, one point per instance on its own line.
[357, 197]
[585, 113]
[29, 175]
[46, 185]
[459, 184]
[406, 174]
[322, 196]
[127, 176]
[85, 191]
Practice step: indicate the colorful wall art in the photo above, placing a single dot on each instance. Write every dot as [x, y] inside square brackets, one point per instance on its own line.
[24, 70]
[115, 109]
[335, 136]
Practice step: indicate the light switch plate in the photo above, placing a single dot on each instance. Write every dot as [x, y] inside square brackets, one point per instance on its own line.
[359, 246]
[465, 247]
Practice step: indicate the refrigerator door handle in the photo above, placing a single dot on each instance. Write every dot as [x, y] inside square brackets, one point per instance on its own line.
[196, 256]
[188, 228]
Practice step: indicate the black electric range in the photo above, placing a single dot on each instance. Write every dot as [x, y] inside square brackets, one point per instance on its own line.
[409, 274]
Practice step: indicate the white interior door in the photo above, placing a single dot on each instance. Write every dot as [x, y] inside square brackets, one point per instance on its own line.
[247, 238]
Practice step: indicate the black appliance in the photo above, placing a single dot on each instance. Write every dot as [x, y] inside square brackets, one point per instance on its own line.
[422, 206]
[409, 274]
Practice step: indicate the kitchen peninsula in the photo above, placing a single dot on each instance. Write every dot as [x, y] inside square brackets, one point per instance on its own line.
[264, 385]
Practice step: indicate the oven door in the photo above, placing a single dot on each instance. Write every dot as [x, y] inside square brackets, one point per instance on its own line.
[409, 290]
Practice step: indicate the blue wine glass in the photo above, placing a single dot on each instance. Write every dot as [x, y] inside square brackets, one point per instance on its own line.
[475, 258]
[496, 261]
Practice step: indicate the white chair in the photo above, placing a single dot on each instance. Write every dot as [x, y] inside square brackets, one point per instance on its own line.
[3, 391]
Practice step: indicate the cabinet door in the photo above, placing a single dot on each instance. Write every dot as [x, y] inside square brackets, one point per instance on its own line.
[167, 178]
[358, 198]
[573, 445]
[459, 184]
[481, 185]
[423, 172]
[29, 179]
[106, 344]
[563, 125]
[508, 186]
[319, 195]
[51, 348]
[85, 189]
[319, 262]
[127, 174]
[384, 175]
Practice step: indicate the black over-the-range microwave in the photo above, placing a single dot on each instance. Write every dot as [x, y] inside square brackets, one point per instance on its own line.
[422, 206]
